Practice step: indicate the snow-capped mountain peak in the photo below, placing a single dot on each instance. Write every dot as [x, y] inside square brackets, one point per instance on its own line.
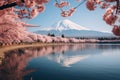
[71, 29]
[65, 25]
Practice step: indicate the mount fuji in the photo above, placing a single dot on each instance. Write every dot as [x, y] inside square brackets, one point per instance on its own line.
[71, 29]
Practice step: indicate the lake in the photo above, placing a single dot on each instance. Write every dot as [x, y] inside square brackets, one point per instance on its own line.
[62, 62]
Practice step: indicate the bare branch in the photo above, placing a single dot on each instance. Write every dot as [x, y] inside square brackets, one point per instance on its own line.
[10, 5]
[117, 5]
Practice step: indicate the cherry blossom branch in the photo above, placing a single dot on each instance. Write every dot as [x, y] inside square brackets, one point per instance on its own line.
[10, 5]
[117, 5]
[80, 4]
[58, 4]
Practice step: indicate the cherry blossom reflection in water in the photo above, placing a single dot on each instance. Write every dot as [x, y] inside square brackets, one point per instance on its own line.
[62, 62]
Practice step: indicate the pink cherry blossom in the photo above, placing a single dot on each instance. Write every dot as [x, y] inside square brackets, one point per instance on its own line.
[33, 13]
[110, 19]
[90, 4]
[116, 30]
[104, 5]
[62, 4]
[40, 8]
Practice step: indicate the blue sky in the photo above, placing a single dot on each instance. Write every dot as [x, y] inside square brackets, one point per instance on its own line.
[82, 16]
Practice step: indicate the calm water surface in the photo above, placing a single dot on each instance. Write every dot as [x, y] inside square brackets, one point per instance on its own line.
[63, 62]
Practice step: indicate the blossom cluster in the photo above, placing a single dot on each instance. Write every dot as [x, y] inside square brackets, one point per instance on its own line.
[68, 13]
[65, 13]
[116, 30]
[111, 16]
[27, 8]
[62, 4]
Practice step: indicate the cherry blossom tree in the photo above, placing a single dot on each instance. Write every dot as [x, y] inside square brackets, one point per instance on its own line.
[13, 12]
[111, 16]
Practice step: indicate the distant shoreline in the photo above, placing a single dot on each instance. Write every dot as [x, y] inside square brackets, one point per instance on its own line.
[58, 43]
[37, 44]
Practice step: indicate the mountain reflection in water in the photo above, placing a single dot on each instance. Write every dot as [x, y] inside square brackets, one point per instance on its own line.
[14, 62]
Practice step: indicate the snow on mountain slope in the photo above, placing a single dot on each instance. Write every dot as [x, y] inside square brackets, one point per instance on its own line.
[71, 29]
[65, 25]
